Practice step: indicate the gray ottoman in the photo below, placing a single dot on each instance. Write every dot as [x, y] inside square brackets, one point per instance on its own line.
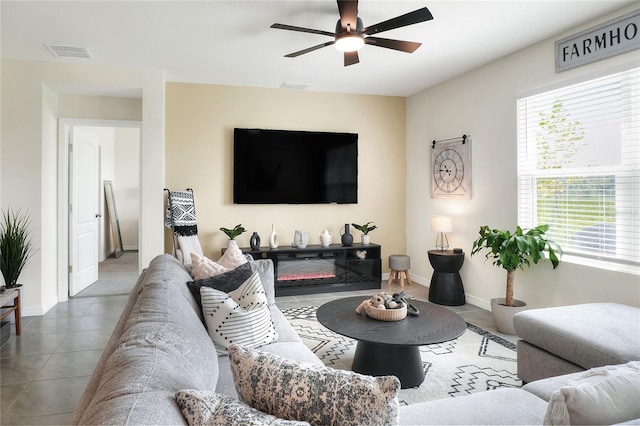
[399, 265]
[568, 339]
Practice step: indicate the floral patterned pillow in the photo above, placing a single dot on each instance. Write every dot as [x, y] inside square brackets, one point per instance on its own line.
[318, 395]
[210, 408]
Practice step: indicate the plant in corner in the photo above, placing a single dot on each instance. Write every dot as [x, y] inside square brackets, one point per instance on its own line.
[16, 248]
[512, 251]
[233, 233]
[365, 229]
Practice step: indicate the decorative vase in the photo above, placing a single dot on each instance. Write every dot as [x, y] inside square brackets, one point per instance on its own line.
[347, 238]
[325, 238]
[273, 238]
[366, 240]
[503, 315]
[254, 241]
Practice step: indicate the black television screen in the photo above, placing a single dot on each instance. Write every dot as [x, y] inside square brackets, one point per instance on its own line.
[294, 167]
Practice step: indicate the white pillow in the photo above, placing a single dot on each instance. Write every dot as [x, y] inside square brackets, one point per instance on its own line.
[603, 395]
[241, 316]
[203, 267]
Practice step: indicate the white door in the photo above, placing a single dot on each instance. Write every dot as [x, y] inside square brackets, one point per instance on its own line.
[85, 209]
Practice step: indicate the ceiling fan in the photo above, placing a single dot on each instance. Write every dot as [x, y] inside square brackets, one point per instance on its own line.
[351, 35]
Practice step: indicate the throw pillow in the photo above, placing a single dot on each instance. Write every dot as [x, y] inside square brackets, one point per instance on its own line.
[318, 395]
[226, 282]
[603, 395]
[203, 267]
[241, 316]
[213, 409]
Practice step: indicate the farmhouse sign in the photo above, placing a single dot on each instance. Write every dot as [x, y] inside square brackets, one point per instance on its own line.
[610, 38]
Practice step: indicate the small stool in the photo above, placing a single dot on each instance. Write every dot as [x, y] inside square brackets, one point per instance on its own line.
[399, 265]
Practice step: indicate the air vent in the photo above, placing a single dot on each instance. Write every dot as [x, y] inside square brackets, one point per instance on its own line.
[65, 51]
[294, 86]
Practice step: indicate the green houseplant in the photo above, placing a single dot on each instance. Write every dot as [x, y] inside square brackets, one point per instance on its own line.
[233, 233]
[16, 248]
[365, 229]
[512, 251]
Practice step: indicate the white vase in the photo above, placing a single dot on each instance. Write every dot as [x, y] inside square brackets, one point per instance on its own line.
[273, 238]
[366, 240]
[503, 315]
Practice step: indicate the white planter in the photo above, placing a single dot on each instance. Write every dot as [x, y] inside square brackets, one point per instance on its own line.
[366, 240]
[503, 315]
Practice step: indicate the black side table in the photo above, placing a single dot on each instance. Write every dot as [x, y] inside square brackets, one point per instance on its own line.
[446, 285]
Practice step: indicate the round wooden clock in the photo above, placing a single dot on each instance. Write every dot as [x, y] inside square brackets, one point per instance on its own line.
[451, 169]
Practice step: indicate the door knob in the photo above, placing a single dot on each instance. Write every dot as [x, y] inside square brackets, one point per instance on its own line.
[98, 215]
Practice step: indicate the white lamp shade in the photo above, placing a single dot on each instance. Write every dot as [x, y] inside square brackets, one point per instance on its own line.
[441, 224]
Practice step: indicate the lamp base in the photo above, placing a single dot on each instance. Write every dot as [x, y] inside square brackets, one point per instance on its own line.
[442, 242]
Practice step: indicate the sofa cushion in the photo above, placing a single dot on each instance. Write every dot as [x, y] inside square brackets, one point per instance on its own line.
[213, 409]
[603, 395]
[318, 395]
[589, 335]
[202, 267]
[225, 282]
[264, 267]
[240, 316]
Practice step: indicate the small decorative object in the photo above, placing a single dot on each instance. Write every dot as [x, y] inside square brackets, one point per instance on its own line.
[273, 238]
[365, 229]
[511, 251]
[254, 241]
[235, 232]
[347, 238]
[16, 248]
[300, 239]
[326, 238]
[383, 307]
[451, 168]
[441, 225]
[361, 254]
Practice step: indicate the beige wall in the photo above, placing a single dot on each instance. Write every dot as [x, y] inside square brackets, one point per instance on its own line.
[199, 150]
[482, 103]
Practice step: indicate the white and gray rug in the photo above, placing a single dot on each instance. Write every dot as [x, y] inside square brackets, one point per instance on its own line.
[474, 362]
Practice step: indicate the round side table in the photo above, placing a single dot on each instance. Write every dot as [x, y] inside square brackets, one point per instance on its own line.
[446, 285]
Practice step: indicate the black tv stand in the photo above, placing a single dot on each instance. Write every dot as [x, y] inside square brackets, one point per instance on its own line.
[317, 269]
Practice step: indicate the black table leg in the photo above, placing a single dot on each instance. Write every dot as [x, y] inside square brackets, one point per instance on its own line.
[404, 362]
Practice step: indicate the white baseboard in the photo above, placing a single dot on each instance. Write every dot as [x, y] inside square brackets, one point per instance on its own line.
[480, 303]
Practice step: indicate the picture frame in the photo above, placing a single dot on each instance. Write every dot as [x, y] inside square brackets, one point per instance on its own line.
[451, 168]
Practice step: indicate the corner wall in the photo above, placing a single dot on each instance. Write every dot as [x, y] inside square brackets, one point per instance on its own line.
[199, 140]
[482, 103]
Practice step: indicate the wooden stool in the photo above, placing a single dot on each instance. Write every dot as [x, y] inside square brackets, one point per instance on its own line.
[399, 265]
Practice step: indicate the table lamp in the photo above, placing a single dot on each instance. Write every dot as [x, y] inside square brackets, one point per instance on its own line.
[442, 225]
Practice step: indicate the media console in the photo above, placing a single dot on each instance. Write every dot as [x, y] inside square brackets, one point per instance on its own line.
[317, 269]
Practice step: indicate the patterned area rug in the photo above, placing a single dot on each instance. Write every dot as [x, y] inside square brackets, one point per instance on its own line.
[474, 362]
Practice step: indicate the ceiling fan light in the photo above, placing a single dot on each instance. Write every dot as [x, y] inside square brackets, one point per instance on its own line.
[349, 43]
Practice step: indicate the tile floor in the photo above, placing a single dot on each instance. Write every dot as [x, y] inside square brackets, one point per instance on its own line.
[44, 371]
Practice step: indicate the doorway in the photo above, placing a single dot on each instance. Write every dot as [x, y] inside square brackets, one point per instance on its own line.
[119, 151]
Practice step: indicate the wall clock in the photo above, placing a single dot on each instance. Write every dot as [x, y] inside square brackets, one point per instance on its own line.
[451, 168]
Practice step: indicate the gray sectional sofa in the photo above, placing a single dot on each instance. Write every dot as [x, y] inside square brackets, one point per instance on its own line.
[160, 346]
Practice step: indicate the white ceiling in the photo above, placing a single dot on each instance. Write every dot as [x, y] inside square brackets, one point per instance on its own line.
[230, 42]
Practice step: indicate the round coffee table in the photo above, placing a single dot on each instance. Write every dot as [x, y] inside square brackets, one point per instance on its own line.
[391, 348]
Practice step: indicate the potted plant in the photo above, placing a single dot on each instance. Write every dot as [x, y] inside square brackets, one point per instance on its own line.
[233, 233]
[510, 251]
[365, 229]
[16, 248]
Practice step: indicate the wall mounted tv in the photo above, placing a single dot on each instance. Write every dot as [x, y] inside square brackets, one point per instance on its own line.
[294, 167]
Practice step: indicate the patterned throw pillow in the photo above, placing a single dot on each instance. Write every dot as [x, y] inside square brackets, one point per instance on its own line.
[241, 316]
[226, 282]
[214, 409]
[203, 267]
[318, 395]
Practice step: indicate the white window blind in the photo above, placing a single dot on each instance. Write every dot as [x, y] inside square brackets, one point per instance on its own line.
[579, 166]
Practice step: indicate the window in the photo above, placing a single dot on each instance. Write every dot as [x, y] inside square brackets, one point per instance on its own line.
[579, 166]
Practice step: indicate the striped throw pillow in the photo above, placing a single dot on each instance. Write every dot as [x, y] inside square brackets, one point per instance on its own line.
[241, 316]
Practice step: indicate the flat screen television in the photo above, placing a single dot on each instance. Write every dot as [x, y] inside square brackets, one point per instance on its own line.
[294, 167]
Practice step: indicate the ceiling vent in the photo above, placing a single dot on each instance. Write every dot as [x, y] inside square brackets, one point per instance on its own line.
[65, 51]
[294, 86]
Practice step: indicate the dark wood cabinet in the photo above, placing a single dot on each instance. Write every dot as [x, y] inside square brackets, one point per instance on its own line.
[317, 269]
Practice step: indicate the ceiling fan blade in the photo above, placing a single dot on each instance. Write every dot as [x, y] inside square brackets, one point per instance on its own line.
[301, 29]
[410, 18]
[351, 58]
[403, 46]
[348, 13]
[309, 49]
